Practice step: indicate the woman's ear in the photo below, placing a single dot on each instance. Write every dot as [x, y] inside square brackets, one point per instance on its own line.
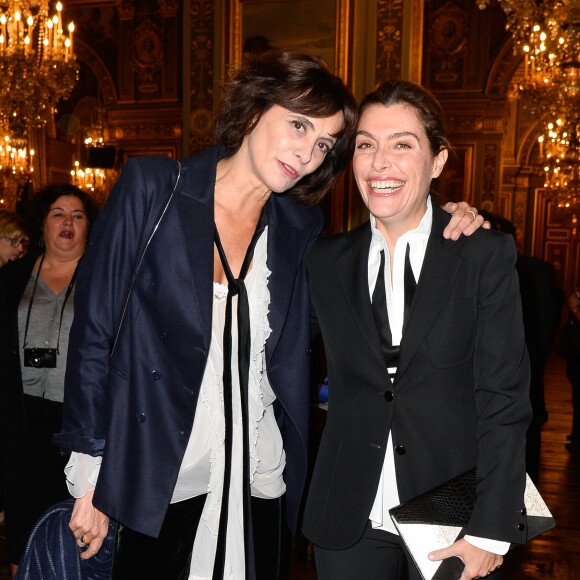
[439, 163]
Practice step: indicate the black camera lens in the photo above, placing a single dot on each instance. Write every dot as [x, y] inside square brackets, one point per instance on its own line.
[35, 360]
[40, 358]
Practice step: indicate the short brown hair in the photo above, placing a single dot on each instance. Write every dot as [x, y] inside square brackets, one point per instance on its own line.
[302, 84]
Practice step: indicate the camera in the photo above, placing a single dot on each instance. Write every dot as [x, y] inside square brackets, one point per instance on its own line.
[40, 358]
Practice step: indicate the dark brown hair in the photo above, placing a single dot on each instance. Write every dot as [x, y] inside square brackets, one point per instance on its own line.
[428, 108]
[302, 84]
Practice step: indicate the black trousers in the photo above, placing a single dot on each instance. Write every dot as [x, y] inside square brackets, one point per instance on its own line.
[34, 472]
[378, 555]
[169, 556]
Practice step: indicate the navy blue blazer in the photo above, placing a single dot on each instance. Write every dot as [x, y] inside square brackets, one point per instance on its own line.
[136, 408]
[460, 394]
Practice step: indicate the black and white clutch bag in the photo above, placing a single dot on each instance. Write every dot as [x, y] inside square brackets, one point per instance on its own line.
[437, 518]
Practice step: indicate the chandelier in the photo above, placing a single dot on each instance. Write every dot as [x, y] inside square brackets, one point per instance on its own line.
[547, 34]
[560, 155]
[97, 175]
[16, 166]
[94, 180]
[38, 69]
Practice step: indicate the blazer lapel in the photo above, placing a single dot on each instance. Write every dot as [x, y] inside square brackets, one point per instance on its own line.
[195, 208]
[352, 270]
[284, 249]
[438, 273]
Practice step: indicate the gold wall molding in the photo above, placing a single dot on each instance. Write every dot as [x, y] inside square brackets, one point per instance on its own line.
[145, 128]
[389, 49]
[490, 165]
[198, 65]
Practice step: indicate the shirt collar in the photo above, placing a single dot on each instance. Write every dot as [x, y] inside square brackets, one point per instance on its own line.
[423, 230]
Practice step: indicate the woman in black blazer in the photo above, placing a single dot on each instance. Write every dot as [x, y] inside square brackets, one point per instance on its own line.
[427, 367]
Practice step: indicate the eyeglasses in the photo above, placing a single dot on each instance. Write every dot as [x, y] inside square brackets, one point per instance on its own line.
[15, 242]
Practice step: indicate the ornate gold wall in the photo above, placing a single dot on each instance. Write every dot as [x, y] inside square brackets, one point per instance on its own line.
[157, 67]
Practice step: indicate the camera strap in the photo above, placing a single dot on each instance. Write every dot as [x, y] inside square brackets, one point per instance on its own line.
[66, 296]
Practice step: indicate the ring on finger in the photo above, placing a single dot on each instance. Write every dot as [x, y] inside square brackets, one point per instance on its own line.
[83, 540]
[472, 213]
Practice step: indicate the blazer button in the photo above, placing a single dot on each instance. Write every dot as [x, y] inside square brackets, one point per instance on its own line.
[141, 418]
[400, 450]
[524, 511]
[521, 527]
[155, 375]
[389, 396]
[163, 335]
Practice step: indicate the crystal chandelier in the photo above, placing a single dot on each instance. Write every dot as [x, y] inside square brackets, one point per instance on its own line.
[38, 69]
[560, 156]
[94, 180]
[16, 166]
[547, 34]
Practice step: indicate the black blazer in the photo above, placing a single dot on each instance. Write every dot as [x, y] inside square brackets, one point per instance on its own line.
[460, 395]
[14, 277]
[136, 408]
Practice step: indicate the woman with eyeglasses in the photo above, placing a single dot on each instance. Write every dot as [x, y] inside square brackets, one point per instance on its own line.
[36, 312]
[14, 240]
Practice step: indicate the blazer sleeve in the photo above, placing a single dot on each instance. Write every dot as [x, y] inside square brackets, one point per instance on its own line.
[115, 245]
[501, 379]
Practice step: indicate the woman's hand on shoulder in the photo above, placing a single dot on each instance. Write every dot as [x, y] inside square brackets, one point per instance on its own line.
[89, 526]
[464, 220]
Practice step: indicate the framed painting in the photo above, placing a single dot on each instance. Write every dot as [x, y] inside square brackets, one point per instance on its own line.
[294, 24]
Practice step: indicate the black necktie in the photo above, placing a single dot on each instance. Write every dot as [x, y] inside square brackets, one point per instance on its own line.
[410, 286]
[237, 287]
[381, 314]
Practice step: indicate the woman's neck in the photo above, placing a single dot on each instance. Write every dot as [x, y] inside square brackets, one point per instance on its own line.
[236, 193]
[57, 271]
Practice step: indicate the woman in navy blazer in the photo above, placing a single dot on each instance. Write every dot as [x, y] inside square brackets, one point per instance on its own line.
[446, 391]
[137, 364]
[143, 391]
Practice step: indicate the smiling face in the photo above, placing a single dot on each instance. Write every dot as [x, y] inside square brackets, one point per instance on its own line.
[284, 146]
[66, 227]
[393, 166]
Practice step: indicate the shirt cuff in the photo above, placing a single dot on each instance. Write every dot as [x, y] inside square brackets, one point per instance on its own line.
[82, 472]
[494, 546]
